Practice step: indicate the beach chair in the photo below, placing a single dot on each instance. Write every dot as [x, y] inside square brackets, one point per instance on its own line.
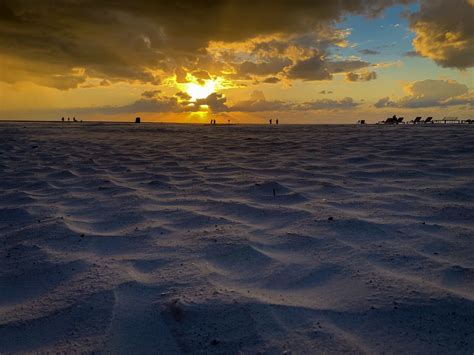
[390, 120]
[416, 120]
[399, 120]
[428, 120]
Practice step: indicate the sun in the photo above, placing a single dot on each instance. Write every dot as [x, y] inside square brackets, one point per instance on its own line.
[197, 91]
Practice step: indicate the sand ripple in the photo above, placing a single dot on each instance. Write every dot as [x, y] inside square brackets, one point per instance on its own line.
[314, 239]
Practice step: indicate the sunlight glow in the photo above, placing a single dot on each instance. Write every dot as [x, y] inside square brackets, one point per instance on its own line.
[197, 91]
[198, 116]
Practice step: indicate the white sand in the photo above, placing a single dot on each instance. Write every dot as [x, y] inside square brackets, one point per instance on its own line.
[161, 238]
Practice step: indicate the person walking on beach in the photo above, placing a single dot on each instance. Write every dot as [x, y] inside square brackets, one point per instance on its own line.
[276, 121]
[270, 120]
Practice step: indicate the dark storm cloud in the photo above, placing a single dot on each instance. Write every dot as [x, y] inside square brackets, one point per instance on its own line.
[385, 102]
[313, 68]
[215, 102]
[346, 66]
[201, 74]
[328, 104]
[364, 76]
[411, 54]
[369, 52]
[150, 93]
[317, 68]
[46, 41]
[271, 80]
[272, 66]
[445, 32]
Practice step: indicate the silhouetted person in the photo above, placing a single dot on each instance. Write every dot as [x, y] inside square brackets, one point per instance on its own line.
[276, 122]
[74, 119]
[62, 119]
[137, 119]
[228, 121]
[68, 119]
[270, 120]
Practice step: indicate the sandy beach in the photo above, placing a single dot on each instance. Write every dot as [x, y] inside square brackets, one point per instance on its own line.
[153, 238]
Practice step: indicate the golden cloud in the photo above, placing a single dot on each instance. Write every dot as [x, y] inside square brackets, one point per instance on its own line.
[445, 32]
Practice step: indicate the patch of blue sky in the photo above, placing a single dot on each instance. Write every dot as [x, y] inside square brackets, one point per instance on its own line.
[392, 40]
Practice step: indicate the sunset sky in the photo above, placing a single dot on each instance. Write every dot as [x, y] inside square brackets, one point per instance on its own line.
[247, 61]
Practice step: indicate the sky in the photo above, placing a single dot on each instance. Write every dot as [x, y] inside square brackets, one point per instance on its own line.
[238, 61]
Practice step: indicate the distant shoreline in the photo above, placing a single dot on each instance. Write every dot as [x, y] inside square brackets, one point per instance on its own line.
[179, 123]
[223, 124]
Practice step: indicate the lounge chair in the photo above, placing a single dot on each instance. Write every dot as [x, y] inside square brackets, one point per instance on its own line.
[400, 120]
[428, 120]
[416, 120]
[391, 120]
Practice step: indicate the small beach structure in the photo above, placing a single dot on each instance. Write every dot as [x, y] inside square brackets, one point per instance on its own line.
[448, 120]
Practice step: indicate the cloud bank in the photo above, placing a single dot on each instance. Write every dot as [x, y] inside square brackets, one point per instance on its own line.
[431, 93]
[445, 32]
[66, 43]
[215, 103]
